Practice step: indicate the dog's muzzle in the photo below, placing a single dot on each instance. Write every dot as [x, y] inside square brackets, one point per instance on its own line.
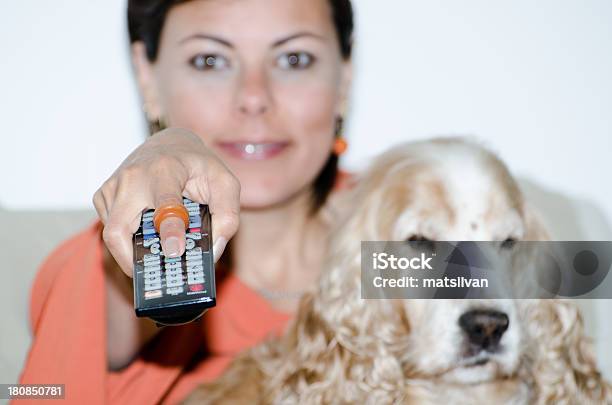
[484, 329]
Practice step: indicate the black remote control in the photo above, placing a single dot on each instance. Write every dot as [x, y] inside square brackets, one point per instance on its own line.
[174, 291]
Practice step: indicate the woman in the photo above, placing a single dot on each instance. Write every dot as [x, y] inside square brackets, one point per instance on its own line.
[252, 93]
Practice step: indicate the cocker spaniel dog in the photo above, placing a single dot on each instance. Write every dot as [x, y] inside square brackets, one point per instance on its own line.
[341, 349]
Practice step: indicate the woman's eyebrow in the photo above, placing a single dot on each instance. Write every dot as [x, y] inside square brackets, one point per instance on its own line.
[298, 35]
[201, 35]
[282, 41]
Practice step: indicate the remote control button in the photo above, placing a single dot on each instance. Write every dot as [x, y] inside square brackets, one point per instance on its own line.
[173, 275]
[148, 242]
[152, 262]
[195, 279]
[155, 286]
[196, 287]
[149, 239]
[172, 266]
[195, 222]
[174, 283]
[174, 270]
[194, 214]
[148, 257]
[156, 248]
[194, 254]
[174, 290]
[147, 231]
[194, 267]
[152, 294]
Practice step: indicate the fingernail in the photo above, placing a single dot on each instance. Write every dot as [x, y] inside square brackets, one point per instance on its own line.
[218, 248]
[172, 247]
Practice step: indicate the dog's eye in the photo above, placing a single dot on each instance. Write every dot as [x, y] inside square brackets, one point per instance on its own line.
[420, 242]
[508, 243]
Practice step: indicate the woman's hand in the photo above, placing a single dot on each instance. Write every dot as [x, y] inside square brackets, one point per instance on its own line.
[171, 164]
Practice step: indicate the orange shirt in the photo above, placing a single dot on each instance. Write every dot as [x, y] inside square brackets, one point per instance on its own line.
[68, 312]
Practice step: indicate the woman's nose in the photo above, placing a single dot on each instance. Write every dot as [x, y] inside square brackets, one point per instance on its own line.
[254, 94]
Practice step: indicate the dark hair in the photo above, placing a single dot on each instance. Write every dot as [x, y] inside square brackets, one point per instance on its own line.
[145, 22]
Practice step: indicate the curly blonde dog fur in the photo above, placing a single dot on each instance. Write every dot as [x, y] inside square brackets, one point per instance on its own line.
[341, 349]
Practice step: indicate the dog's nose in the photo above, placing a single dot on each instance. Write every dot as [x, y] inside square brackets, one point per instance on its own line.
[484, 327]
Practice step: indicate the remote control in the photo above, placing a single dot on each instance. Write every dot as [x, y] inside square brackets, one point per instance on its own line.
[174, 291]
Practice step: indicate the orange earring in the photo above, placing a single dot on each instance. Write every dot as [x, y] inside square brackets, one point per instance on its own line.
[340, 146]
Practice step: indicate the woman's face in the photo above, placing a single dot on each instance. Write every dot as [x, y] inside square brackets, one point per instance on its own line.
[260, 81]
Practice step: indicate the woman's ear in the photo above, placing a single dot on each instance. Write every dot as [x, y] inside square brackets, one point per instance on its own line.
[143, 69]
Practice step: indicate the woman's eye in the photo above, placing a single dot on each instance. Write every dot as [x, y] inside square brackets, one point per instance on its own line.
[295, 60]
[209, 62]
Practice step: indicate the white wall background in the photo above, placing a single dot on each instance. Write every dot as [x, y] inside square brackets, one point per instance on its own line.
[531, 78]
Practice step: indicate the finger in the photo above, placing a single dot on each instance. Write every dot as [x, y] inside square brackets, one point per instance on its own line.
[100, 206]
[130, 198]
[123, 221]
[101, 200]
[167, 185]
[224, 205]
[172, 229]
[172, 235]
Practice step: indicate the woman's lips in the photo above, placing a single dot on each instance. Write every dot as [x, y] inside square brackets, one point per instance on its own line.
[253, 150]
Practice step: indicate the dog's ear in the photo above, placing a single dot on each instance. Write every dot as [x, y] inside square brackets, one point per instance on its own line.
[534, 226]
[312, 365]
[564, 369]
[242, 383]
